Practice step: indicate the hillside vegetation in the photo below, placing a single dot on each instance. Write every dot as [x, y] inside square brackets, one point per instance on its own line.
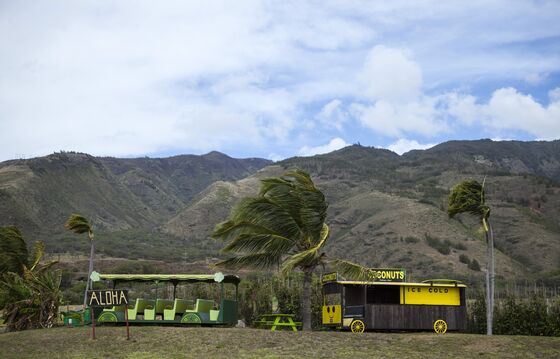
[390, 210]
[127, 200]
[385, 209]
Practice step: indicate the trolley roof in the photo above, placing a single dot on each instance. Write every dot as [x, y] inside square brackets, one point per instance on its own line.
[428, 283]
[174, 278]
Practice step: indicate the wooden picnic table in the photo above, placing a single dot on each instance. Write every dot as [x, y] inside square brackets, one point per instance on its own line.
[278, 320]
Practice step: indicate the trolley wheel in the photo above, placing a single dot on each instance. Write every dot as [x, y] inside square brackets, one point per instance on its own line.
[191, 318]
[107, 317]
[440, 326]
[358, 326]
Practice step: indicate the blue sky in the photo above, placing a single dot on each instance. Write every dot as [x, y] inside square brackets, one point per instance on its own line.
[274, 79]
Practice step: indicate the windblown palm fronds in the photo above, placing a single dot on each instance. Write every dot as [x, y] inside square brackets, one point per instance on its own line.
[284, 226]
[469, 197]
[30, 298]
[80, 225]
[13, 250]
[286, 219]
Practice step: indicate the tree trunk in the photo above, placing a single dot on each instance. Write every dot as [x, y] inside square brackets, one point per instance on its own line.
[489, 279]
[306, 298]
[89, 284]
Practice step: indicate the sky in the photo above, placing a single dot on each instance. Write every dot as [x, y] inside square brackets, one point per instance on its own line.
[274, 79]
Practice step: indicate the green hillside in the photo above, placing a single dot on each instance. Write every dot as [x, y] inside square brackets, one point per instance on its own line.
[389, 210]
[126, 199]
[385, 209]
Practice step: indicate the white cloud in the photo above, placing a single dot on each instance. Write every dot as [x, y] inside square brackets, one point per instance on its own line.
[462, 107]
[499, 139]
[535, 78]
[333, 115]
[90, 78]
[390, 74]
[392, 82]
[333, 145]
[394, 119]
[403, 145]
[554, 95]
[404, 110]
[275, 157]
[509, 109]
[132, 78]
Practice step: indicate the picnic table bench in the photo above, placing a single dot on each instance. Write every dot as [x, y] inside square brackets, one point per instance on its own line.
[277, 321]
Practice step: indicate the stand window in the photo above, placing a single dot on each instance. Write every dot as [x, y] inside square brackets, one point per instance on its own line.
[383, 294]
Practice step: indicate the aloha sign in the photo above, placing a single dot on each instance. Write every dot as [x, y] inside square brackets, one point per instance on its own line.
[107, 298]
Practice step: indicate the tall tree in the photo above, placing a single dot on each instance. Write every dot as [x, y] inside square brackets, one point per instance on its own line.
[283, 226]
[80, 225]
[469, 197]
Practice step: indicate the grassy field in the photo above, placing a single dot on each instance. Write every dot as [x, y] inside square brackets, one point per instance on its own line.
[171, 342]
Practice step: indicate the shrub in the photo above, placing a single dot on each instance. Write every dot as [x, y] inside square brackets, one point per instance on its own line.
[410, 239]
[474, 265]
[258, 293]
[476, 314]
[515, 315]
[463, 258]
[459, 246]
[437, 244]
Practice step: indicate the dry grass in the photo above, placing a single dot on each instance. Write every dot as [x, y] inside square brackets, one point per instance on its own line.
[172, 342]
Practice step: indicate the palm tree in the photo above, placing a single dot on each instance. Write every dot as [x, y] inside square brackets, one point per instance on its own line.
[469, 197]
[283, 226]
[30, 296]
[13, 250]
[79, 224]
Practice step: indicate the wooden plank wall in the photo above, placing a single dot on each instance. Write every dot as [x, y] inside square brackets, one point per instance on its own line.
[414, 317]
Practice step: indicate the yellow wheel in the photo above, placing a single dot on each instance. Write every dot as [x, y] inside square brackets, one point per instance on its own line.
[440, 326]
[357, 326]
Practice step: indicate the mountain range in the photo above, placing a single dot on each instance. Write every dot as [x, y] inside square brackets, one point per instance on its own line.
[386, 210]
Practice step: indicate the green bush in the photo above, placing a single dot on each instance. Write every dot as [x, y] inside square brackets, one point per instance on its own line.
[437, 244]
[411, 239]
[535, 315]
[476, 314]
[258, 293]
[458, 246]
[463, 258]
[474, 265]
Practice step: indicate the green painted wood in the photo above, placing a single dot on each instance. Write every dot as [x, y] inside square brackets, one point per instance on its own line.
[108, 317]
[188, 278]
[179, 308]
[139, 307]
[191, 318]
[280, 321]
[202, 305]
[228, 312]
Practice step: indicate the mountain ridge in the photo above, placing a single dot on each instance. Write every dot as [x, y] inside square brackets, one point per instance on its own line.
[385, 209]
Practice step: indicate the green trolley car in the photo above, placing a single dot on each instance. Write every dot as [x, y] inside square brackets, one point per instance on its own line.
[390, 303]
[175, 311]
